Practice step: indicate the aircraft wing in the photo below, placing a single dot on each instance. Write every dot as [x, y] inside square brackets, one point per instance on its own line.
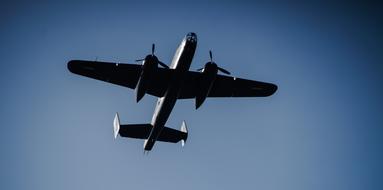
[126, 75]
[226, 86]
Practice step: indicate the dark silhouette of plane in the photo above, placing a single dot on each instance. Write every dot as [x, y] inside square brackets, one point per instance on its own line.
[169, 84]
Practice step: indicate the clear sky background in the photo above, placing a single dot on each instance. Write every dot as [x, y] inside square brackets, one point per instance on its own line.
[323, 129]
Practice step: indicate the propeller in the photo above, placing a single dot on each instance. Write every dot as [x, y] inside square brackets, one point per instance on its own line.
[224, 70]
[211, 62]
[158, 61]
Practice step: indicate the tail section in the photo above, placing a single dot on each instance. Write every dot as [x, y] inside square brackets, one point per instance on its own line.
[143, 131]
[138, 131]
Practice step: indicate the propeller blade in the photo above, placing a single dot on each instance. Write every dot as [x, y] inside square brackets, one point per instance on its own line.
[153, 47]
[211, 56]
[223, 70]
[138, 60]
[163, 65]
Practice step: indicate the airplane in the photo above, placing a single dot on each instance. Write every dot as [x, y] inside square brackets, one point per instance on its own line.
[169, 83]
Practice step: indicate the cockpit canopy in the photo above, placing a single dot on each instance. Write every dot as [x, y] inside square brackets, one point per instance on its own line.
[191, 36]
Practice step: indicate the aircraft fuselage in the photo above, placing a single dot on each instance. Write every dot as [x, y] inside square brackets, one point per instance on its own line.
[181, 64]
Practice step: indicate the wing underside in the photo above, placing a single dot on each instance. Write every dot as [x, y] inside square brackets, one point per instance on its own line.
[226, 86]
[127, 75]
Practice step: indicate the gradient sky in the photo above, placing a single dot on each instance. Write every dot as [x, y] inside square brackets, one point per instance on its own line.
[323, 129]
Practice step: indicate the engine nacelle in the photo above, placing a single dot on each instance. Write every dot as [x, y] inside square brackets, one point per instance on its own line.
[209, 73]
[149, 66]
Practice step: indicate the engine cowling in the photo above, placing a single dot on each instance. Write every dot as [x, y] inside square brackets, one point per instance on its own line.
[209, 74]
[149, 65]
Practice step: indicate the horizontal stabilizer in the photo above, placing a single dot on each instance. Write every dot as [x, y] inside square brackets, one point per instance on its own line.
[172, 135]
[142, 131]
[138, 131]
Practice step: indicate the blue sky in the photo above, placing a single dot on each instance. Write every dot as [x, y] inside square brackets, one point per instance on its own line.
[321, 130]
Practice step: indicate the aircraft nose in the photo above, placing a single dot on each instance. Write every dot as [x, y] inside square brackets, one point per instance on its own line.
[191, 36]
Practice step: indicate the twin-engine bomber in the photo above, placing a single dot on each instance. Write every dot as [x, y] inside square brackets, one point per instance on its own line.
[169, 83]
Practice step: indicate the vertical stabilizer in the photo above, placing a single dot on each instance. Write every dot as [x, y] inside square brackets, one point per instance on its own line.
[116, 125]
[185, 130]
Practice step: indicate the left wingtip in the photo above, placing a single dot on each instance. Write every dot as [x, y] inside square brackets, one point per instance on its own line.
[70, 65]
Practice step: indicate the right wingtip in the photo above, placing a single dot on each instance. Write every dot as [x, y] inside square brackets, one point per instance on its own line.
[274, 89]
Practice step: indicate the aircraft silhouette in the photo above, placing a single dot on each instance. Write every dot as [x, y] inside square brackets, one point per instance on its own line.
[169, 84]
